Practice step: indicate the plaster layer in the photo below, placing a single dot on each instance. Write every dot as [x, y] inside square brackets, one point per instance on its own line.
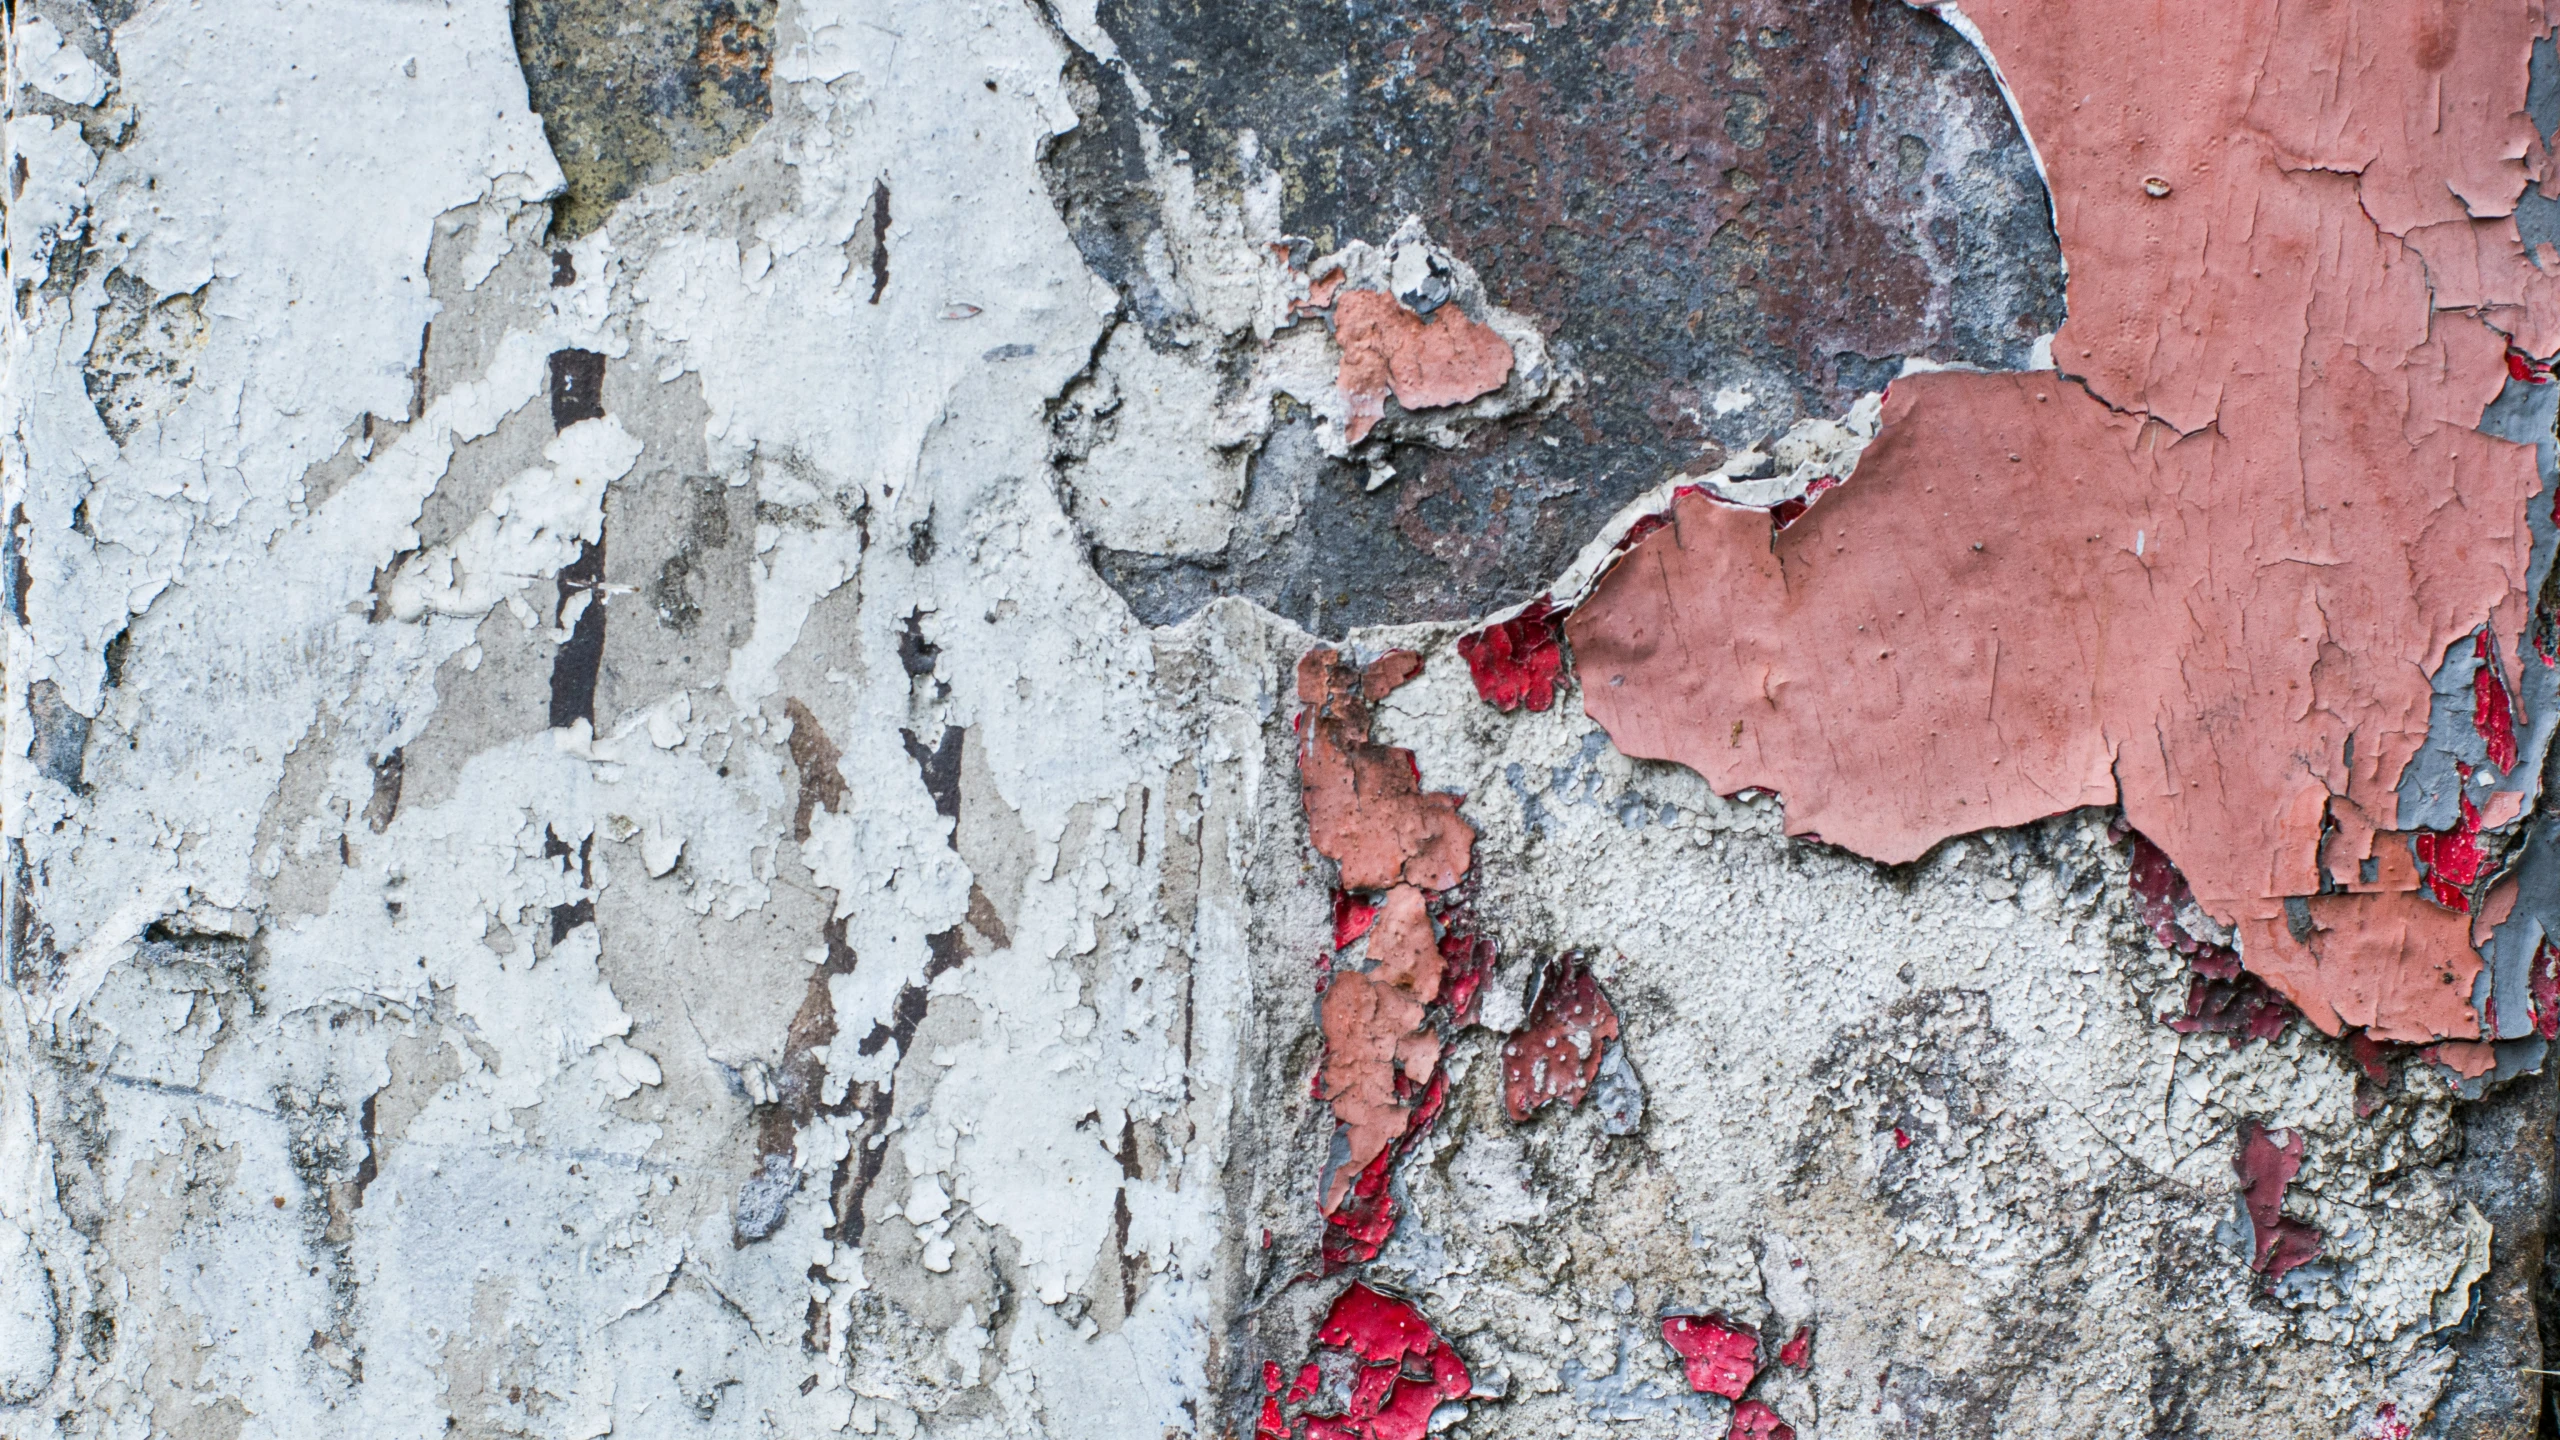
[634, 805]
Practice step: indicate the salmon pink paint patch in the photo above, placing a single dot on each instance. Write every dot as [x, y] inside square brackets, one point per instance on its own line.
[1366, 809]
[1518, 661]
[1721, 1357]
[1445, 359]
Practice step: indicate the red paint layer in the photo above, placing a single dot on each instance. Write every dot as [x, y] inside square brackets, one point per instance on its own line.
[1797, 1353]
[2267, 1163]
[1755, 1421]
[1428, 362]
[1556, 1054]
[2451, 860]
[2492, 713]
[1402, 1371]
[2544, 981]
[1518, 662]
[2191, 584]
[1352, 916]
[2240, 1006]
[1721, 1357]
[1359, 1227]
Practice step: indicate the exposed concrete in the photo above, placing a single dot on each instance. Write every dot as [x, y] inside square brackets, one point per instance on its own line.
[656, 779]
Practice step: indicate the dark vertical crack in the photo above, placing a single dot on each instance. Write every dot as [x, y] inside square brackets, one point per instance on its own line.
[879, 238]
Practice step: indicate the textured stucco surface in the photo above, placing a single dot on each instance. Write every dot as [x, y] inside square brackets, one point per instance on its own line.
[662, 776]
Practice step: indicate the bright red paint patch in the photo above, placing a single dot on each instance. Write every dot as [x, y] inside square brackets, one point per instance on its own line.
[1787, 512]
[1404, 1372]
[2451, 859]
[2543, 987]
[1352, 917]
[1901, 1138]
[1556, 1055]
[1358, 1228]
[1518, 661]
[2492, 712]
[1721, 1357]
[2267, 1162]
[1798, 1351]
[1755, 1421]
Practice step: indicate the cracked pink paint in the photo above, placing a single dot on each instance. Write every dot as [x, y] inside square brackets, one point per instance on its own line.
[1366, 808]
[1367, 811]
[2236, 535]
[1428, 362]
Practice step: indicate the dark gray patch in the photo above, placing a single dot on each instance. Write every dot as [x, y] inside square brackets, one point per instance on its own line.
[879, 239]
[577, 387]
[939, 765]
[57, 736]
[632, 92]
[385, 801]
[580, 658]
[1689, 202]
[2505, 1170]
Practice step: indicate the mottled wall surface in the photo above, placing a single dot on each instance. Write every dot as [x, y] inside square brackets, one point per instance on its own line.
[851, 716]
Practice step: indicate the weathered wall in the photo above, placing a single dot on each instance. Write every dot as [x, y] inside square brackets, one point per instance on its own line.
[798, 716]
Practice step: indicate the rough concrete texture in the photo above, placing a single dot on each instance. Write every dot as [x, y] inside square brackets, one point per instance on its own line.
[682, 754]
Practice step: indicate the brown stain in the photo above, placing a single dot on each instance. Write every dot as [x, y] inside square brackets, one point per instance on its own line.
[816, 758]
[2191, 588]
[733, 46]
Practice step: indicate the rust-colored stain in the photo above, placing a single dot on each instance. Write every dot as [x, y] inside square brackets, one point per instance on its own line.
[1428, 362]
[2208, 570]
[1555, 1054]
